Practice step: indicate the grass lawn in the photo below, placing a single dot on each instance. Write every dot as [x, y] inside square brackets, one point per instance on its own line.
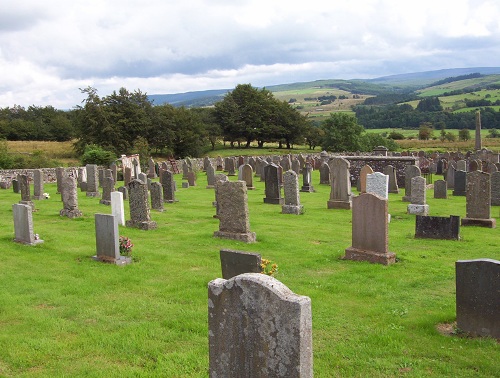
[64, 315]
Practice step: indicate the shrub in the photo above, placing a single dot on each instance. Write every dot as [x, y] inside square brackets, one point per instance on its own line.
[94, 154]
[394, 135]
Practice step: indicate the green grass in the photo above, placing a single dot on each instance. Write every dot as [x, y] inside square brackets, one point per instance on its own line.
[63, 314]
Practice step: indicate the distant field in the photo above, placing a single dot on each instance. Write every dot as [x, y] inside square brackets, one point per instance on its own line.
[462, 84]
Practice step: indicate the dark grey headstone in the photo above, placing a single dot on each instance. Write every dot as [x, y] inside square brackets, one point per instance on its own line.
[459, 184]
[437, 227]
[234, 263]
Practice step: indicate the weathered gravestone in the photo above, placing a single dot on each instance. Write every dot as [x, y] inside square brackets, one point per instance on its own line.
[340, 193]
[92, 181]
[247, 175]
[478, 200]
[69, 195]
[38, 184]
[218, 177]
[411, 171]
[365, 171]
[495, 189]
[210, 176]
[272, 185]
[139, 207]
[117, 208]
[156, 196]
[258, 328]
[459, 184]
[437, 227]
[377, 183]
[108, 240]
[23, 225]
[462, 165]
[108, 186]
[370, 231]
[324, 174]
[15, 186]
[151, 168]
[24, 186]
[168, 185]
[307, 179]
[124, 191]
[230, 166]
[450, 175]
[59, 175]
[127, 176]
[232, 211]
[390, 171]
[292, 200]
[418, 199]
[234, 263]
[440, 189]
[478, 297]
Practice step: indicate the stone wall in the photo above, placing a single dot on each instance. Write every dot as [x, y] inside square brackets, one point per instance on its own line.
[49, 174]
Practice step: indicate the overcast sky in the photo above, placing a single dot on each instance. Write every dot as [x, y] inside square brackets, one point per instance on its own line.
[49, 49]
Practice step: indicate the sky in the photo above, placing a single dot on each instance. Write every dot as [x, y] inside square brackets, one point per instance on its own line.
[50, 49]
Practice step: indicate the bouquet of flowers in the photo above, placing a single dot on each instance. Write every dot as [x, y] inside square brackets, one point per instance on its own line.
[125, 246]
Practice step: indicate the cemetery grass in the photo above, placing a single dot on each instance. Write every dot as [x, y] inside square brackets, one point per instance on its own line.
[63, 314]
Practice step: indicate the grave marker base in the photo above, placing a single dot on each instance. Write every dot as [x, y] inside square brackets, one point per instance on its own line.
[71, 213]
[93, 194]
[356, 254]
[38, 241]
[292, 209]
[490, 223]
[123, 260]
[347, 205]
[418, 209]
[249, 237]
[145, 225]
[274, 201]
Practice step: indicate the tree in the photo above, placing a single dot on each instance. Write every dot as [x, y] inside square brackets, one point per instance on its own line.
[342, 133]
[464, 135]
[429, 104]
[425, 131]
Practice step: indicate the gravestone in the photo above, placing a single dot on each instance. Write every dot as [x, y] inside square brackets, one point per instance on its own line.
[139, 207]
[100, 176]
[92, 181]
[377, 183]
[324, 174]
[296, 166]
[292, 200]
[38, 184]
[272, 185]
[234, 263]
[136, 167]
[142, 177]
[59, 174]
[307, 179]
[418, 201]
[495, 189]
[185, 185]
[108, 240]
[191, 178]
[156, 196]
[258, 328]
[230, 166]
[247, 175]
[114, 171]
[340, 193]
[370, 231]
[24, 188]
[124, 191]
[462, 165]
[151, 168]
[473, 166]
[69, 195]
[218, 177]
[450, 175]
[478, 200]
[286, 163]
[127, 176]
[437, 227]
[210, 176]
[365, 171]
[15, 186]
[440, 189]
[459, 184]
[117, 208]
[23, 225]
[411, 171]
[168, 185]
[108, 186]
[478, 297]
[390, 171]
[477, 139]
[232, 211]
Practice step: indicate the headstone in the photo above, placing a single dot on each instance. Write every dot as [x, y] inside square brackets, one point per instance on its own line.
[24, 188]
[108, 186]
[296, 166]
[185, 185]
[232, 211]
[92, 181]
[136, 167]
[473, 166]
[450, 176]
[411, 171]
[377, 183]
[258, 328]
[156, 196]
[168, 185]
[418, 199]
[127, 176]
[191, 177]
[324, 174]
[495, 189]
[117, 208]
[440, 189]
[478, 200]
[108, 240]
[459, 184]
[370, 231]
[437, 227]
[151, 168]
[139, 207]
[292, 200]
[247, 176]
[100, 176]
[365, 171]
[272, 185]
[340, 193]
[218, 177]
[210, 176]
[230, 166]
[462, 165]
[59, 174]
[23, 225]
[114, 171]
[286, 163]
[69, 195]
[307, 179]
[124, 191]
[38, 184]
[477, 143]
[142, 177]
[234, 263]
[390, 171]
[478, 297]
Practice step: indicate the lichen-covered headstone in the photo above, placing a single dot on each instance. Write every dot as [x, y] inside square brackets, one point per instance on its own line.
[418, 198]
[139, 207]
[340, 193]
[69, 196]
[478, 200]
[92, 181]
[292, 200]
[156, 196]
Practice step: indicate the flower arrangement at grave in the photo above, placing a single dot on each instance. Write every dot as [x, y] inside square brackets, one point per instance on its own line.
[46, 195]
[268, 267]
[125, 246]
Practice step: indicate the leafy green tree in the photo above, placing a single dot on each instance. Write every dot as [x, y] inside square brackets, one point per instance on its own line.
[464, 134]
[425, 131]
[342, 133]
[450, 137]
[429, 104]
[209, 120]
[371, 140]
[313, 135]
[95, 154]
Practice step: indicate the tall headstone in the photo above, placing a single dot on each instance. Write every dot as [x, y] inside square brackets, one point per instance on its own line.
[272, 185]
[59, 174]
[495, 189]
[156, 196]
[108, 240]
[258, 328]
[365, 171]
[477, 143]
[69, 195]
[151, 168]
[377, 183]
[92, 181]
[191, 178]
[370, 231]
[247, 175]
[232, 211]
[168, 185]
[478, 297]
[23, 225]
[292, 199]
[127, 176]
[411, 171]
[230, 166]
[390, 171]
[234, 263]
[307, 179]
[218, 177]
[418, 202]
[139, 207]
[340, 193]
[24, 188]
[324, 174]
[478, 200]
[38, 184]
[210, 176]
[117, 208]
[108, 186]
[450, 175]
[459, 184]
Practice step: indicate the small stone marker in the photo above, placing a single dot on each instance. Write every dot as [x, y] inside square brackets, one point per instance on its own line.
[418, 197]
[292, 199]
[258, 328]
[232, 211]
[478, 200]
[370, 231]
[478, 297]
[234, 263]
[440, 189]
[139, 207]
[69, 195]
[108, 240]
[117, 208]
[23, 225]
[447, 228]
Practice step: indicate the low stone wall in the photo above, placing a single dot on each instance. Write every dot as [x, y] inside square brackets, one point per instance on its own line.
[49, 174]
